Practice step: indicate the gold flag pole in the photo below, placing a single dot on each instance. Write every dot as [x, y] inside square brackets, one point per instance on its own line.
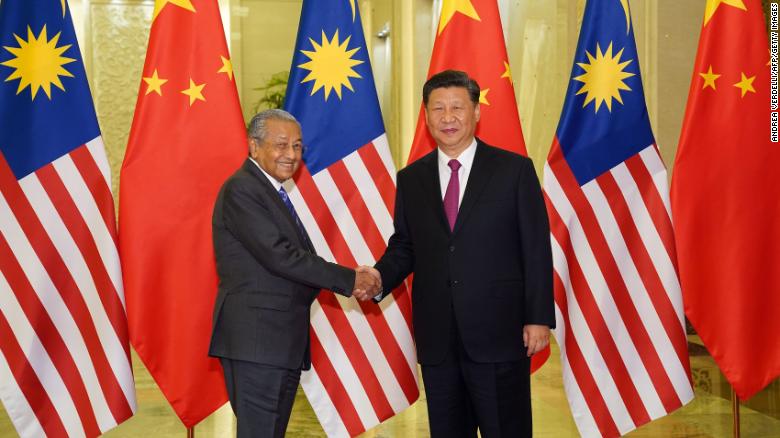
[190, 432]
[735, 411]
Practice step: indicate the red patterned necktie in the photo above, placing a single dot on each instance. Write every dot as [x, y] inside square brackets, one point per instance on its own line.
[452, 194]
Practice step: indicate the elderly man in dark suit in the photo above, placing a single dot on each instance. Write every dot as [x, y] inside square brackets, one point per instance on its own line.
[269, 275]
[471, 224]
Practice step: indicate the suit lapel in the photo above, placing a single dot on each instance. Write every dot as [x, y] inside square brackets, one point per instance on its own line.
[276, 200]
[478, 178]
[432, 187]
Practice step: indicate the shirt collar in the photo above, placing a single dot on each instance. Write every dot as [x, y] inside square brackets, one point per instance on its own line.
[277, 185]
[465, 158]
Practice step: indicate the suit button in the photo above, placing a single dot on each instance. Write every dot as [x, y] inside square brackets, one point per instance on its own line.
[452, 248]
[455, 282]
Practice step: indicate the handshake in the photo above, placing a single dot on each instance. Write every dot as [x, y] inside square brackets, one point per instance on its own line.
[368, 283]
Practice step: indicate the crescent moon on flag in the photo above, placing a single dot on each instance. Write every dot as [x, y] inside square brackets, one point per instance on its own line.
[624, 3]
[351, 4]
[63, 8]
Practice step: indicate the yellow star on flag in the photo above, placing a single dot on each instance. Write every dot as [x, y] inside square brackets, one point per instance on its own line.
[507, 73]
[38, 62]
[746, 84]
[483, 96]
[227, 67]
[154, 83]
[450, 7]
[195, 92]
[713, 5]
[709, 78]
[159, 4]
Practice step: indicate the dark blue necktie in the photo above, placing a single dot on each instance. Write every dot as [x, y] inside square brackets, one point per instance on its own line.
[288, 203]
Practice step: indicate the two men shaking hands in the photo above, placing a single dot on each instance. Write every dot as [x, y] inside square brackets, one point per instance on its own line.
[469, 221]
[368, 283]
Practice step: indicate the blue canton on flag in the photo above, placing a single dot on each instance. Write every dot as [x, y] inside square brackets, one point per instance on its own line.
[65, 358]
[604, 119]
[618, 303]
[45, 103]
[363, 358]
[331, 87]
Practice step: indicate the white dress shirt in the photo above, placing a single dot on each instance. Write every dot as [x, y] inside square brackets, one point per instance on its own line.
[466, 159]
[277, 185]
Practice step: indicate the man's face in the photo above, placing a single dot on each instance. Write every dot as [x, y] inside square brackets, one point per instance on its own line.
[452, 118]
[280, 153]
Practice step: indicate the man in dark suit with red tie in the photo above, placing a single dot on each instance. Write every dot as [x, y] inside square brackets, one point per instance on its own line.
[471, 224]
[269, 275]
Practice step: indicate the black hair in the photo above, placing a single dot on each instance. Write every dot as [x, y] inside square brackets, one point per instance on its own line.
[451, 78]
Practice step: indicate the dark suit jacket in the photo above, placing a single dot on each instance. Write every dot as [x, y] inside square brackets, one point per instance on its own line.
[268, 273]
[492, 274]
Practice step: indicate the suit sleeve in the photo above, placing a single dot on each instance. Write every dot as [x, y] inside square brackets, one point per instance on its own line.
[247, 215]
[537, 255]
[398, 260]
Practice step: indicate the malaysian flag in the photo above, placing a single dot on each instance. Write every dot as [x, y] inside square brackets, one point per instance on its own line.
[64, 355]
[364, 366]
[619, 312]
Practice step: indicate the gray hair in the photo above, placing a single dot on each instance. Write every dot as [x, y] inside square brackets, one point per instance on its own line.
[257, 126]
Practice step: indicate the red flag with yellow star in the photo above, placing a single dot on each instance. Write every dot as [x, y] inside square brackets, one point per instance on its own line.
[726, 198]
[187, 137]
[470, 39]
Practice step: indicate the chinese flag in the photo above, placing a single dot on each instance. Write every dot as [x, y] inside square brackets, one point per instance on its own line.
[187, 137]
[726, 198]
[470, 39]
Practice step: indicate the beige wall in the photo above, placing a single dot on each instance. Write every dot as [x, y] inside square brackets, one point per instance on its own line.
[261, 44]
[115, 34]
[541, 39]
[677, 38]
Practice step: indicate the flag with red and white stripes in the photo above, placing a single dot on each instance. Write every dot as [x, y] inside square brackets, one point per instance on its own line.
[364, 366]
[64, 353]
[620, 323]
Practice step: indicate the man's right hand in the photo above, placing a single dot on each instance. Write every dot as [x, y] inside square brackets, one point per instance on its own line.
[368, 283]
